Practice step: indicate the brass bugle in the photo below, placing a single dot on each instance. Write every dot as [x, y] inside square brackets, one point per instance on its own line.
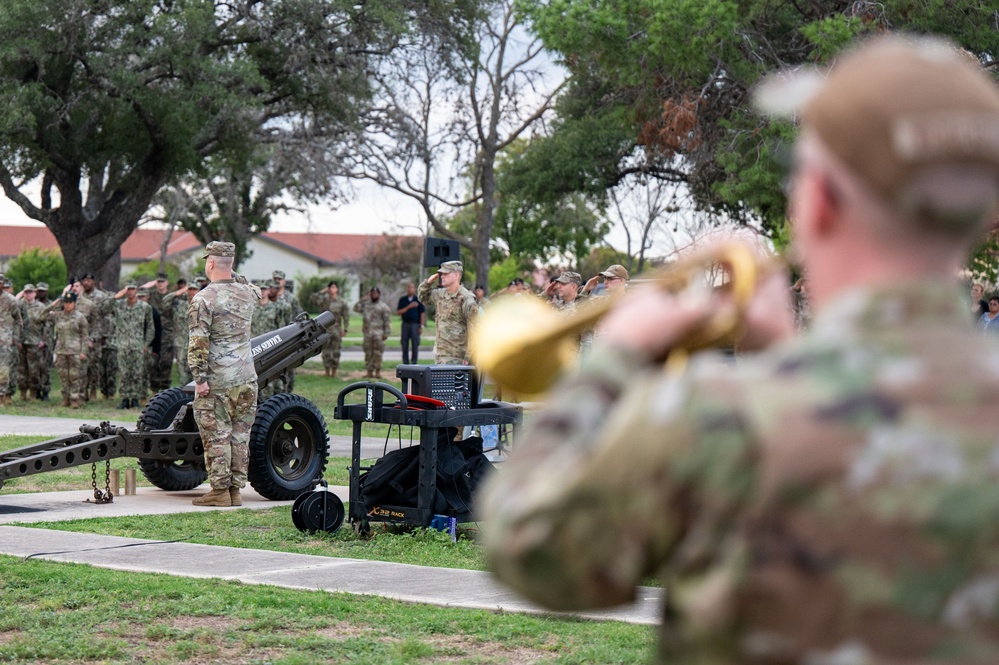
[523, 344]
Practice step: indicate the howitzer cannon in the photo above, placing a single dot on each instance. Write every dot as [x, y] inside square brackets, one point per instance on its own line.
[288, 441]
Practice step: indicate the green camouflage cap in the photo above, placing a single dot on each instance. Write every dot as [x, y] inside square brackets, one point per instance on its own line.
[42, 286]
[278, 274]
[29, 287]
[144, 293]
[219, 248]
[131, 285]
[450, 266]
[570, 278]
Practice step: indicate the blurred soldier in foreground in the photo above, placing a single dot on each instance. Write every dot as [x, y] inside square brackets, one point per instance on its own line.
[224, 376]
[455, 311]
[834, 499]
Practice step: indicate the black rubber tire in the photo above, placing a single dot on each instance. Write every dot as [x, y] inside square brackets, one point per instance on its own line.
[289, 447]
[171, 476]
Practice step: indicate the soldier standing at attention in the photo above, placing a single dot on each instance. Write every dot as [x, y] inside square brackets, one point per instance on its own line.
[377, 323]
[292, 308]
[98, 306]
[831, 500]
[72, 342]
[134, 331]
[33, 344]
[11, 328]
[331, 301]
[225, 379]
[456, 311]
[45, 378]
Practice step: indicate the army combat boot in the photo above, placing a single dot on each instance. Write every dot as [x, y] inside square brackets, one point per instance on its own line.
[219, 498]
[234, 496]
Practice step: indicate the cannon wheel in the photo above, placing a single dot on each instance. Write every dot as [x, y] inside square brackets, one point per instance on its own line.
[171, 476]
[288, 447]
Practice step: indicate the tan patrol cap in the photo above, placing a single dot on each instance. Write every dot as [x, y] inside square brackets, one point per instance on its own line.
[617, 270]
[570, 278]
[219, 248]
[451, 266]
[894, 106]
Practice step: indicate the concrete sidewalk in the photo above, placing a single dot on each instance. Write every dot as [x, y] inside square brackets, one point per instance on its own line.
[420, 584]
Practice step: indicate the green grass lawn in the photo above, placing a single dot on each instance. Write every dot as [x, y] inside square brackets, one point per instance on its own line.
[63, 613]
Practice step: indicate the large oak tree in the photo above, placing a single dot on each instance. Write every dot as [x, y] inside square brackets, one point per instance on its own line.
[103, 102]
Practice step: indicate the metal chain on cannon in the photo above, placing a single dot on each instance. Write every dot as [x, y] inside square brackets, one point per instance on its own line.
[105, 495]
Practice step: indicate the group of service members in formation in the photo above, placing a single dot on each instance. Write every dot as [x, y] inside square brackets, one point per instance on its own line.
[125, 343]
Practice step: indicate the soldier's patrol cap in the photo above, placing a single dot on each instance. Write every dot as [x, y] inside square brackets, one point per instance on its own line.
[570, 278]
[88, 275]
[69, 296]
[219, 248]
[8, 283]
[894, 108]
[450, 266]
[161, 277]
[131, 285]
[143, 293]
[193, 285]
[272, 285]
[29, 287]
[616, 270]
[200, 278]
[42, 286]
[278, 274]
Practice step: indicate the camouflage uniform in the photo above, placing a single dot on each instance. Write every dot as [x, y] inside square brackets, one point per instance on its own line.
[377, 318]
[134, 332]
[292, 308]
[341, 320]
[219, 355]
[160, 375]
[49, 333]
[181, 333]
[11, 329]
[455, 313]
[266, 318]
[34, 347]
[72, 339]
[833, 500]
[99, 306]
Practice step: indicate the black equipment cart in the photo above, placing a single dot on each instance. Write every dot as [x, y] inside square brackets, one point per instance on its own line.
[402, 411]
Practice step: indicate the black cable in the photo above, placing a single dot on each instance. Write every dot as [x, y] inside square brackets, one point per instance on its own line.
[111, 547]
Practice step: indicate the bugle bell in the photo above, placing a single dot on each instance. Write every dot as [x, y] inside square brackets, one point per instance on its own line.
[523, 344]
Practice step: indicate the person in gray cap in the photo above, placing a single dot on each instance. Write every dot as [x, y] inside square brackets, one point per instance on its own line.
[11, 328]
[832, 498]
[455, 312]
[225, 379]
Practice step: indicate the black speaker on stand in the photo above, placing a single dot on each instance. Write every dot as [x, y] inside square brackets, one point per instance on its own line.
[438, 250]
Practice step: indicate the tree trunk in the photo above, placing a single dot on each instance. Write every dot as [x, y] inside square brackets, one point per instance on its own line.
[110, 273]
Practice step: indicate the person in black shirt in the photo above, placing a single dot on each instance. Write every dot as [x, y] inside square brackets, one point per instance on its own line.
[414, 316]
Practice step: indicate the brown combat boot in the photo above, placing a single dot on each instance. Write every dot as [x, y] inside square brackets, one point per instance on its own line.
[65, 400]
[234, 496]
[219, 498]
[7, 401]
[24, 395]
[93, 394]
[32, 393]
[74, 404]
[327, 371]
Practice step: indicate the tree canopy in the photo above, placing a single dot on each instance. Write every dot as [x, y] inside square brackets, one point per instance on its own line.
[102, 103]
[662, 89]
